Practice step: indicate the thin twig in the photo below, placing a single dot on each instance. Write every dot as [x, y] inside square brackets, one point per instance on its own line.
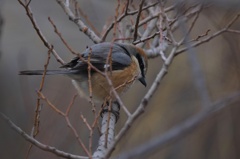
[149, 28]
[82, 27]
[77, 137]
[77, 8]
[201, 36]
[60, 36]
[137, 21]
[37, 143]
[233, 31]
[35, 129]
[90, 134]
[142, 40]
[39, 32]
[225, 29]
[70, 104]
[67, 119]
[37, 111]
[191, 26]
[121, 17]
[40, 94]
[168, 26]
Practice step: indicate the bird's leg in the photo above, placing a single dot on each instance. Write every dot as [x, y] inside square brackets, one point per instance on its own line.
[115, 108]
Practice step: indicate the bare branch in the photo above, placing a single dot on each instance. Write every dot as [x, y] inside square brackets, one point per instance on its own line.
[225, 29]
[233, 31]
[60, 36]
[37, 143]
[107, 131]
[180, 130]
[203, 35]
[146, 38]
[137, 20]
[143, 103]
[191, 26]
[82, 27]
[77, 137]
[77, 8]
[126, 13]
[39, 32]
[40, 94]
[149, 28]
[91, 133]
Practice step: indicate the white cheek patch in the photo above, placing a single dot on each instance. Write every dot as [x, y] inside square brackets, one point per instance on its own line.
[138, 71]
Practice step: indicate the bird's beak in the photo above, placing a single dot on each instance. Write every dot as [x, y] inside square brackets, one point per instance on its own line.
[143, 81]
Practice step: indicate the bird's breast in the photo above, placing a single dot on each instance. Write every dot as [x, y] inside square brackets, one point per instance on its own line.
[99, 87]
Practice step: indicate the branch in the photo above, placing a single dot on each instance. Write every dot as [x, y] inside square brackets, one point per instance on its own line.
[225, 29]
[82, 27]
[65, 115]
[107, 131]
[37, 143]
[60, 36]
[39, 33]
[80, 11]
[149, 28]
[135, 34]
[143, 103]
[126, 13]
[181, 130]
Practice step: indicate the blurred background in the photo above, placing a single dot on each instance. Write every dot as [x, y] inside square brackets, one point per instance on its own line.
[176, 100]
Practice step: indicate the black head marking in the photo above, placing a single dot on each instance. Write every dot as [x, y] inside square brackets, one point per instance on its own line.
[141, 64]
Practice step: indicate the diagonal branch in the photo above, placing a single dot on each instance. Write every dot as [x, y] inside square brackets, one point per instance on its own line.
[225, 29]
[180, 130]
[39, 32]
[82, 27]
[37, 143]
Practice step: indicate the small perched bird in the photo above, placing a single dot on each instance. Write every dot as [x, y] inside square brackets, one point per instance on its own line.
[127, 63]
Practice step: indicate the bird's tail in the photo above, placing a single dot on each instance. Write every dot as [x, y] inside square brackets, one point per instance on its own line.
[48, 72]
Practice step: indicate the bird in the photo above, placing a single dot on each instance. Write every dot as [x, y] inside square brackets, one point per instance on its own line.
[124, 63]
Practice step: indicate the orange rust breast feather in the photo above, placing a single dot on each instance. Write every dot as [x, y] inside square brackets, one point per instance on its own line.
[121, 80]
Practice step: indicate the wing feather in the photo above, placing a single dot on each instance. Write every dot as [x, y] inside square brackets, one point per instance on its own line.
[98, 55]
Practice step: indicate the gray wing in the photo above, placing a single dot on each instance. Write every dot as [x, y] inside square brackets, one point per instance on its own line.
[98, 55]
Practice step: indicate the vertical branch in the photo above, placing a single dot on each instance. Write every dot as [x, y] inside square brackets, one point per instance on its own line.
[135, 34]
[35, 129]
[104, 36]
[37, 111]
[90, 84]
[90, 135]
[108, 127]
